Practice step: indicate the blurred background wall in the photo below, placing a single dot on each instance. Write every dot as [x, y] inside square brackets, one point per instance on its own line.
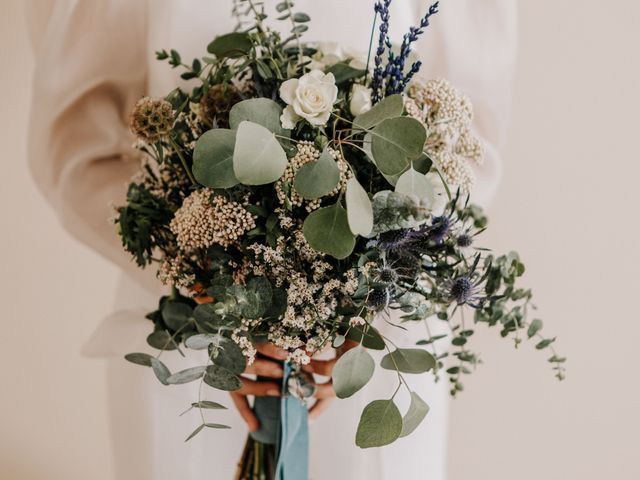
[569, 203]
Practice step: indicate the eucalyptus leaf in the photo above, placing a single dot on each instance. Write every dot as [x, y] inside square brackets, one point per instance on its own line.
[227, 354]
[213, 159]
[176, 315]
[390, 107]
[222, 379]
[352, 371]
[415, 183]
[143, 359]
[209, 320]
[370, 339]
[380, 424]
[216, 425]
[195, 432]
[301, 17]
[396, 142]
[343, 72]
[186, 376]
[418, 410]
[161, 371]
[534, 327]
[208, 404]
[327, 230]
[231, 45]
[161, 339]
[316, 179]
[408, 360]
[258, 158]
[359, 208]
[262, 111]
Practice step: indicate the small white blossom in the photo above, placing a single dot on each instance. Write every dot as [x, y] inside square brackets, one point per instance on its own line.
[360, 99]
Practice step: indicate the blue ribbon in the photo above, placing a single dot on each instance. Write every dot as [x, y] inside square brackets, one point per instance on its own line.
[284, 423]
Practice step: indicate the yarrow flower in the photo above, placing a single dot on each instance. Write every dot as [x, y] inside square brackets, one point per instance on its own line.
[310, 97]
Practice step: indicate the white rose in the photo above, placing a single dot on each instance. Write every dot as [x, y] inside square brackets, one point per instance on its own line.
[310, 97]
[360, 99]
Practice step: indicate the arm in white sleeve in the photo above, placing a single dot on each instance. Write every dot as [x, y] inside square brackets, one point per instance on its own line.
[90, 70]
[473, 44]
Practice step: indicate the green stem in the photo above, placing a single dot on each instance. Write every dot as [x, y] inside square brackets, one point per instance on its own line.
[183, 160]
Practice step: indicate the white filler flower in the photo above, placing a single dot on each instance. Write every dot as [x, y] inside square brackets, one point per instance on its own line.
[360, 99]
[310, 97]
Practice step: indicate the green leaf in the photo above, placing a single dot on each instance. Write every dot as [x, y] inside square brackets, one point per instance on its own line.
[396, 142]
[327, 231]
[380, 424]
[258, 158]
[231, 45]
[195, 432]
[216, 425]
[352, 371]
[359, 208]
[213, 158]
[415, 183]
[534, 327]
[316, 179]
[418, 409]
[208, 404]
[222, 379]
[371, 339]
[542, 344]
[161, 339]
[200, 341]
[301, 17]
[161, 370]
[262, 111]
[343, 72]
[227, 354]
[176, 315]
[390, 107]
[338, 341]
[143, 359]
[186, 376]
[209, 320]
[408, 360]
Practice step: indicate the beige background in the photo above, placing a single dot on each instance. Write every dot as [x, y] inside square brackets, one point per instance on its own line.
[568, 203]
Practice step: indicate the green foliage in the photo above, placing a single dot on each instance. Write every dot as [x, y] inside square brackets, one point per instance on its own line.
[262, 111]
[213, 159]
[316, 179]
[359, 208]
[380, 424]
[390, 107]
[418, 410]
[222, 379]
[408, 360]
[352, 371]
[258, 158]
[327, 230]
[396, 142]
[231, 45]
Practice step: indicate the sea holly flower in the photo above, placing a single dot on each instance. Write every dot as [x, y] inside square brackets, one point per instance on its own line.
[310, 97]
[360, 100]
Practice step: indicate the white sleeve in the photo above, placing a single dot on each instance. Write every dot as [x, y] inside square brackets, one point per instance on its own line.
[91, 68]
[473, 44]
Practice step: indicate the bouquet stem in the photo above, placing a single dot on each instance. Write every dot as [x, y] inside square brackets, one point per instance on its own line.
[258, 461]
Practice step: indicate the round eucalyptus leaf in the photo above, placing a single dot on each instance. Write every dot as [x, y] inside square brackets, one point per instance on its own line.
[380, 424]
[418, 409]
[227, 354]
[213, 159]
[231, 45]
[186, 376]
[389, 107]
[316, 179]
[415, 183]
[176, 315]
[359, 208]
[396, 142]
[338, 341]
[200, 341]
[370, 339]
[258, 158]
[262, 111]
[222, 379]
[161, 370]
[352, 371]
[208, 319]
[143, 359]
[408, 360]
[327, 230]
[161, 339]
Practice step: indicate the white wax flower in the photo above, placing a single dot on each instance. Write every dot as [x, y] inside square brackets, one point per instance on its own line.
[310, 97]
[360, 99]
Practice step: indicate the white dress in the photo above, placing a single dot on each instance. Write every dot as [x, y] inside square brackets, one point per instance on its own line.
[94, 60]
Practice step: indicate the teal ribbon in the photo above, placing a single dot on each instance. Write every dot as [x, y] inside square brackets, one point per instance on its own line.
[284, 423]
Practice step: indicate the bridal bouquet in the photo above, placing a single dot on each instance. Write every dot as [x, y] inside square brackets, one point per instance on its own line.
[297, 195]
